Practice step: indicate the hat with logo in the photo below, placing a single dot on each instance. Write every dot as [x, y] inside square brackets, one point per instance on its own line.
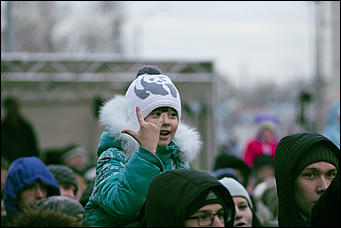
[209, 196]
[150, 90]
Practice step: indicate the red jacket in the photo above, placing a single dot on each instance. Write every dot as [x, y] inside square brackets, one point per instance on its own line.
[255, 148]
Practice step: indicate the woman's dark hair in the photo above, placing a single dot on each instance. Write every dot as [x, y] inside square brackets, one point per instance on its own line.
[224, 160]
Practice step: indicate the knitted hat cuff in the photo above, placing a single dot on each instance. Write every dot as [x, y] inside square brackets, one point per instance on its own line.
[160, 102]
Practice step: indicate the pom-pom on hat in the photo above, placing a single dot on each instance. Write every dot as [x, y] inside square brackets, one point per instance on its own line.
[150, 90]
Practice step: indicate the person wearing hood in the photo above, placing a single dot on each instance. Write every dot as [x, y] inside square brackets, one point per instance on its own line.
[187, 198]
[245, 215]
[305, 165]
[144, 137]
[332, 124]
[28, 181]
[264, 143]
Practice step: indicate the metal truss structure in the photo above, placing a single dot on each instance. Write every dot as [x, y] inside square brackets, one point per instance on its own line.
[64, 77]
[45, 80]
[91, 67]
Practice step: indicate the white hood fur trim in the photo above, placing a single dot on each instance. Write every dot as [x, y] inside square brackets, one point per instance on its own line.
[114, 116]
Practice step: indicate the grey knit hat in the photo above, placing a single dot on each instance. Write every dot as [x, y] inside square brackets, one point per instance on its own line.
[64, 175]
[62, 204]
[316, 153]
[236, 189]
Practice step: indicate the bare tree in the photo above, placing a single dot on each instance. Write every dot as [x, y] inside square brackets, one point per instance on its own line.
[99, 30]
[48, 26]
[31, 24]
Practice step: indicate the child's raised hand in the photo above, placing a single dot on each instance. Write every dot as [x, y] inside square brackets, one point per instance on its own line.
[148, 134]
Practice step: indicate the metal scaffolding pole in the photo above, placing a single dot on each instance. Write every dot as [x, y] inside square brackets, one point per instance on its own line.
[319, 82]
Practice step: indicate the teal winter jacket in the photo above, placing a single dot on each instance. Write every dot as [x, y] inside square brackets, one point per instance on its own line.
[124, 169]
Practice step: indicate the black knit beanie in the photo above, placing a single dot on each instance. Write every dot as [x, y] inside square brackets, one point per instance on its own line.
[316, 153]
[209, 196]
[64, 175]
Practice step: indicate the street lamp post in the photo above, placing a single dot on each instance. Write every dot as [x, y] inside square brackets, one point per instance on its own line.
[319, 82]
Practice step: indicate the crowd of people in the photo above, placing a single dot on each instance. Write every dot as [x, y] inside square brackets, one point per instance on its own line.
[143, 175]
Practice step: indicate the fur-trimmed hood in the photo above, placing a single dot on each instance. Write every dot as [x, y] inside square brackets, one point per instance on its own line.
[114, 116]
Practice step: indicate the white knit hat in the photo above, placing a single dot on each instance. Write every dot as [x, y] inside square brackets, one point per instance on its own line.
[235, 188]
[151, 91]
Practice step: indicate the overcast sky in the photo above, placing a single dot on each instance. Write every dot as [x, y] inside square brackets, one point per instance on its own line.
[248, 41]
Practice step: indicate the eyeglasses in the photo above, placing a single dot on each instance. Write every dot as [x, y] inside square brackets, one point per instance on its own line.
[207, 219]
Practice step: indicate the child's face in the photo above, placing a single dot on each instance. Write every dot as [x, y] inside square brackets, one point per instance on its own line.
[169, 125]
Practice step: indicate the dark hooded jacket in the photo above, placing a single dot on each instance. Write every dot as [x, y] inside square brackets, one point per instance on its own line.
[171, 193]
[288, 153]
[24, 172]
